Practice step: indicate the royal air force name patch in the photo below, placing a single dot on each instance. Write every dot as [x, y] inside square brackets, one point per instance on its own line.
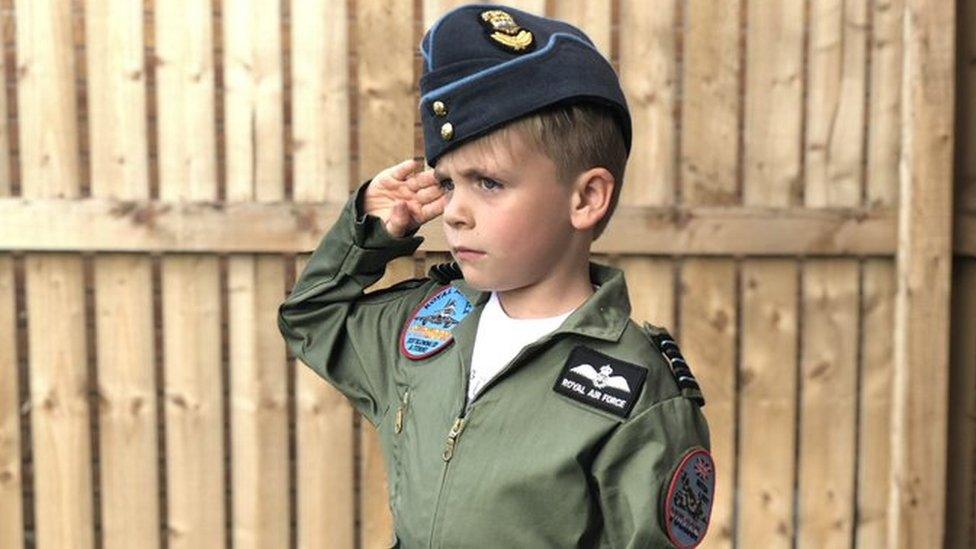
[688, 504]
[601, 381]
[430, 328]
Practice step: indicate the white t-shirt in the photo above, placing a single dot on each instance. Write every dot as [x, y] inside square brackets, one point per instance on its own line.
[501, 337]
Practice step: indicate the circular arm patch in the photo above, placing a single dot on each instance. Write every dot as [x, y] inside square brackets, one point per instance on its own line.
[688, 505]
[429, 329]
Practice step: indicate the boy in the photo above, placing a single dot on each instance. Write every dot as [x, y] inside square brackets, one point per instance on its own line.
[516, 402]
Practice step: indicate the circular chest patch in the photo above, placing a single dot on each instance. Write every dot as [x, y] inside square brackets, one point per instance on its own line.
[689, 503]
[429, 329]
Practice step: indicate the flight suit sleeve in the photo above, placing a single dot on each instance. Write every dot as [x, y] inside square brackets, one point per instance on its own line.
[656, 478]
[329, 322]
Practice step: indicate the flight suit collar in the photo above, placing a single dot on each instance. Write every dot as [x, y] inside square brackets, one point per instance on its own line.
[603, 316]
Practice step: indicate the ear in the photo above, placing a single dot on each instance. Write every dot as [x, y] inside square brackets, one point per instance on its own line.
[590, 197]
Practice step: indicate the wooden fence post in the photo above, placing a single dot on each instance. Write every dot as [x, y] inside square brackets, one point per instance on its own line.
[924, 263]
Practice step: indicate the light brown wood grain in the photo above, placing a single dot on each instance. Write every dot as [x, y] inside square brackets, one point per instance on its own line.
[192, 377]
[11, 443]
[711, 102]
[708, 340]
[828, 402]
[128, 445]
[836, 80]
[768, 404]
[57, 351]
[874, 445]
[649, 78]
[917, 503]
[254, 164]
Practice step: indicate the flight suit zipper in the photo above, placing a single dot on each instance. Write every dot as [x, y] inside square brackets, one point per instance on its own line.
[397, 429]
[401, 411]
[459, 422]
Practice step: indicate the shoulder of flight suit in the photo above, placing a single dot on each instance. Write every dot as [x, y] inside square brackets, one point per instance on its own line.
[347, 335]
[648, 492]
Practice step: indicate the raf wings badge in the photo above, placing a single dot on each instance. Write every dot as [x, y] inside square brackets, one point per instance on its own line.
[505, 32]
[429, 329]
[601, 381]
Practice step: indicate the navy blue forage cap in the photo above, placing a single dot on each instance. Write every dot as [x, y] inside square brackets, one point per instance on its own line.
[485, 65]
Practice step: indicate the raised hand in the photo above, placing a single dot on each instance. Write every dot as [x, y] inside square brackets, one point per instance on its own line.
[404, 198]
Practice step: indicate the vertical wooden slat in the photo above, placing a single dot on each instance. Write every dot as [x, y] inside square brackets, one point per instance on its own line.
[961, 500]
[387, 113]
[650, 283]
[320, 99]
[709, 166]
[874, 447]
[191, 289]
[884, 103]
[123, 282]
[648, 77]
[768, 367]
[835, 102]
[592, 16]
[11, 479]
[768, 395]
[711, 102]
[433, 9]
[774, 103]
[828, 403]
[321, 158]
[324, 432]
[919, 417]
[11, 476]
[708, 340]
[253, 118]
[57, 353]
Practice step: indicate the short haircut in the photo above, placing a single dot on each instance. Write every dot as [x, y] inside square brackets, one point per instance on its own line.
[576, 137]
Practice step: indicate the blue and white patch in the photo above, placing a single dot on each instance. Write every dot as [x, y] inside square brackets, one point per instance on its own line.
[688, 505]
[430, 328]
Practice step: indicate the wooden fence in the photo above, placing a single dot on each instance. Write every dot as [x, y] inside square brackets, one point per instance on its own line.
[800, 202]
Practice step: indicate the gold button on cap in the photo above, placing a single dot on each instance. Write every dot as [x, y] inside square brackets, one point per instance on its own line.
[447, 131]
[439, 108]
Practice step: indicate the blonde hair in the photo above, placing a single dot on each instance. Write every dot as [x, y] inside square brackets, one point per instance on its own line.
[575, 137]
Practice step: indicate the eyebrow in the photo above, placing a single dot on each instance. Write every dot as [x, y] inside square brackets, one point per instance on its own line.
[467, 173]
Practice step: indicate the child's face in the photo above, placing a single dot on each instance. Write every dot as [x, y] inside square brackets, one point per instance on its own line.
[505, 201]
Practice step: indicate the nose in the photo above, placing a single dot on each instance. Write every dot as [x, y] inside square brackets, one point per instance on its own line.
[457, 212]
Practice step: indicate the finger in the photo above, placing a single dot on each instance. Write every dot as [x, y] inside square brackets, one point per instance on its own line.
[403, 170]
[398, 220]
[428, 194]
[426, 178]
[433, 209]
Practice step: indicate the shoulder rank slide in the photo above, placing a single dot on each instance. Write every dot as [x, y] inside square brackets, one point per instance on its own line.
[679, 367]
[429, 330]
[688, 504]
[445, 272]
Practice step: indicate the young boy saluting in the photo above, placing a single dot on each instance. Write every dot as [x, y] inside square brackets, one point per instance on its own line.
[516, 402]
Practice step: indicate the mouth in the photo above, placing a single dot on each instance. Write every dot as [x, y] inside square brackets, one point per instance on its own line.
[467, 253]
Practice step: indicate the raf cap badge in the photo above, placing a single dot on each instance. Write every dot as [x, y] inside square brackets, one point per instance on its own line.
[505, 32]
[430, 328]
[688, 504]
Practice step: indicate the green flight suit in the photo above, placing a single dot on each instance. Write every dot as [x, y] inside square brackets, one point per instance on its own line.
[530, 467]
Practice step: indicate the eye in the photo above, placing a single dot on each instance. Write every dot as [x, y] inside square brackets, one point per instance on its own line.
[490, 184]
[446, 184]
